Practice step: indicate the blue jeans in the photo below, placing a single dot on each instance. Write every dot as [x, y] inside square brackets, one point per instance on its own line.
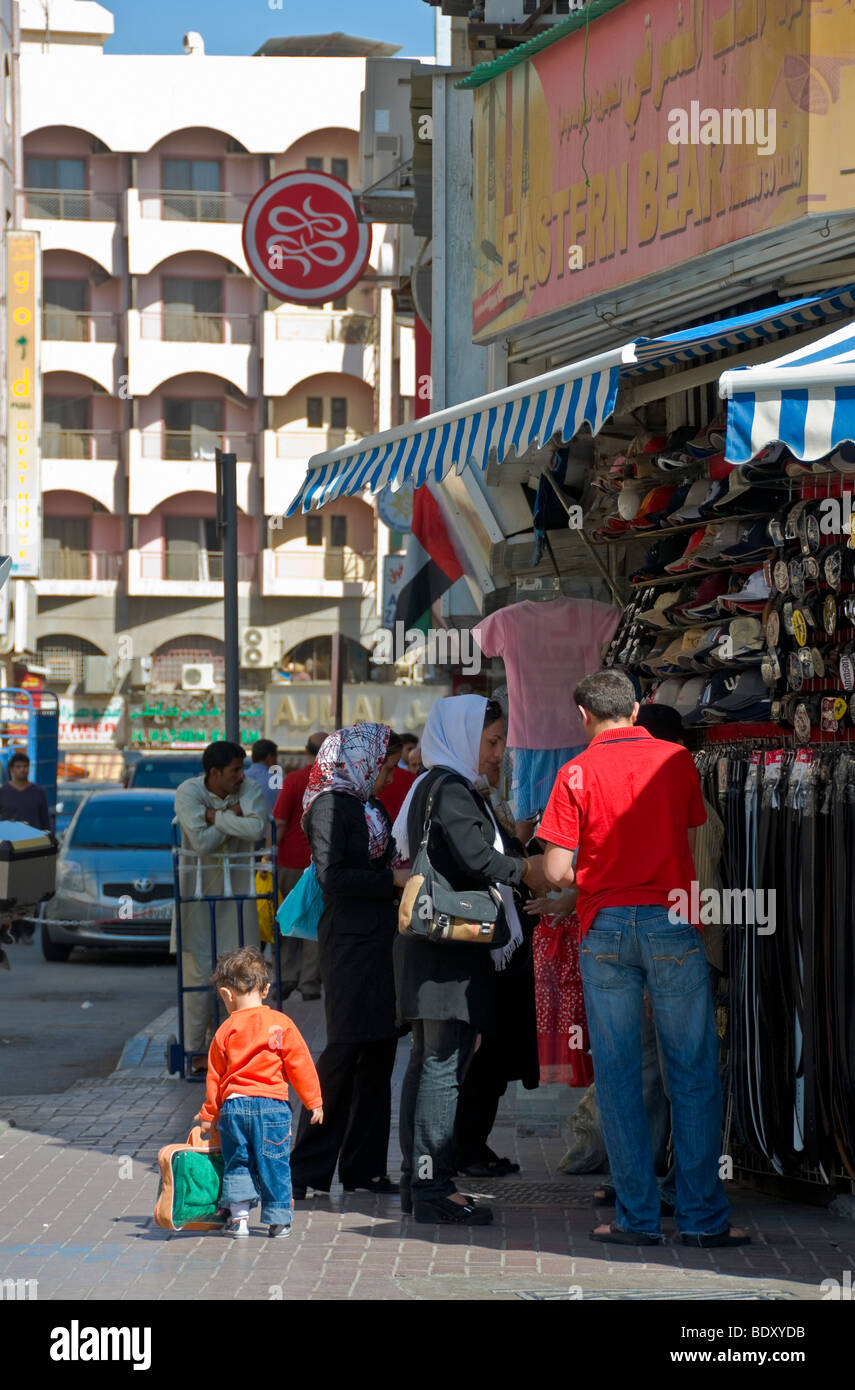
[440, 1053]
[255, 1133]
[626, 949]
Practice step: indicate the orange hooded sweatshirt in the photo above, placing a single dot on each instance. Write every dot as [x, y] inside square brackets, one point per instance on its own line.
[254, 1053]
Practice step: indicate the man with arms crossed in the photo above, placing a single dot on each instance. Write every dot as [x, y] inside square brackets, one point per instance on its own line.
[626, 809]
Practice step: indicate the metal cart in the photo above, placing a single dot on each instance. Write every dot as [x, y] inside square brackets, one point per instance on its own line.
[177, 1057]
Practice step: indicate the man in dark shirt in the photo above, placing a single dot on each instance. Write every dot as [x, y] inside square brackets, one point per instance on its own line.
[21, 800]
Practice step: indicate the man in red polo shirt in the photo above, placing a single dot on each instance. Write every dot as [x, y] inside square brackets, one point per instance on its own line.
[300, 967]
[620, 826]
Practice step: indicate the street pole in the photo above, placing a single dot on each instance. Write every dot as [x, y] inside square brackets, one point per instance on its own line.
[337, 680]
[227, 528]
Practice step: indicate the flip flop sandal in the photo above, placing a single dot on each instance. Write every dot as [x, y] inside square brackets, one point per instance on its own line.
[722, 1240]
[610, 1200]
[616, 1236]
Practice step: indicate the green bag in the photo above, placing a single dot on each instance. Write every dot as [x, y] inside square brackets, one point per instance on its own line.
[189, 1197]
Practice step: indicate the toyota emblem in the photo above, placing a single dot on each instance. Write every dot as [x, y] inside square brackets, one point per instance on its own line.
[143, 885]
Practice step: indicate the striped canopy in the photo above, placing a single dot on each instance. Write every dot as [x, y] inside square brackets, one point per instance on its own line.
[805, 399]
[508, 422]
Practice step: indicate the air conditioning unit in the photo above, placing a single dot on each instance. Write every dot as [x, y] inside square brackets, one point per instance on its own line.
[386, 142]
[98, 679]
[197, 676]
[142, 670]
[260, 648]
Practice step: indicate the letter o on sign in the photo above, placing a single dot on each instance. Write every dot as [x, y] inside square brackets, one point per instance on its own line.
[302, 240]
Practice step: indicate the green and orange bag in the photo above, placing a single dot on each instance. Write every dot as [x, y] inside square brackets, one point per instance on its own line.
[191, 1184]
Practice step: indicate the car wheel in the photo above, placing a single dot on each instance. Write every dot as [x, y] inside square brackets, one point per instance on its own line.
[53, 950]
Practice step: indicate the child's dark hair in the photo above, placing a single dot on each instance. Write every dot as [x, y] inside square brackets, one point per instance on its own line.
[243, 971]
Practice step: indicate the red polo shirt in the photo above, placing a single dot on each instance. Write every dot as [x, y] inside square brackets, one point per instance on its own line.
[626, 803]
[293, 850]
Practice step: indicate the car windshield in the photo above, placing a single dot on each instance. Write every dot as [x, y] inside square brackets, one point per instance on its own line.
[165, 772]
[113, 824]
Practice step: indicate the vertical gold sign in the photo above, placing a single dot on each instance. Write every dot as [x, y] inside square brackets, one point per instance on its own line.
[23, 483]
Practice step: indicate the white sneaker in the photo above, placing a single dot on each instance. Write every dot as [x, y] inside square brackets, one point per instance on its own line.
[279, 1232]
[236, 1226]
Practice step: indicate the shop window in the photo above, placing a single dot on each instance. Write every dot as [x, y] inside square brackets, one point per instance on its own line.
[315, 412]
[338, 413]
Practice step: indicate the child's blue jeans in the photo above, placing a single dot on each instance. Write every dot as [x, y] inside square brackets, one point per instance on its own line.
[255, 1133]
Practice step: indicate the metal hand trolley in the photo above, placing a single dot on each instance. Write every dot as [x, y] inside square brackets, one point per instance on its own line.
[177, 1057]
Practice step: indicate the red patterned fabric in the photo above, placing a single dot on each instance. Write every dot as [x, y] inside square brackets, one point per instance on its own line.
[561, 1021]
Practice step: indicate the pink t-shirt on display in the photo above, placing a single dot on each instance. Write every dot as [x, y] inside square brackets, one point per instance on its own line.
[547, 648]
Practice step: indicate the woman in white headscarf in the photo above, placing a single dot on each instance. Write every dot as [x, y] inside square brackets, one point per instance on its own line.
[443, 990]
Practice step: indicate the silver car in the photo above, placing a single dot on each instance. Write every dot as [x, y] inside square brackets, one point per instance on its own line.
[113, 874]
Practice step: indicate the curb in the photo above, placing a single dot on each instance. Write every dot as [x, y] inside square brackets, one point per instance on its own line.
[146, 1050]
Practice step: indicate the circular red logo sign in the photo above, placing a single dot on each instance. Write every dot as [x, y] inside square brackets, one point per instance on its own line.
[302, 240]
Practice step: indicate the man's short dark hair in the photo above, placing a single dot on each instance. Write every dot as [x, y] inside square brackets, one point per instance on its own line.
[315, 743]
[408, 738]
[221, 754]
[662, 721]
[263, 749]
[606, 695]
[19, 757]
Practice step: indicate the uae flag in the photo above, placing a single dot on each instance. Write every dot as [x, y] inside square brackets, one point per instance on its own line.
[431, 565]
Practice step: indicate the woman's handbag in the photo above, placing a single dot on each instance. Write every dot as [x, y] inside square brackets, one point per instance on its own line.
[300, 913]
[431, 909]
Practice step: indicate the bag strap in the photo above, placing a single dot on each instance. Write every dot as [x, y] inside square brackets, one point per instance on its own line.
[429, 808]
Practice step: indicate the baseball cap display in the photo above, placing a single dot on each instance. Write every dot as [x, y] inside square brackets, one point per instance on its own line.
[754, 593]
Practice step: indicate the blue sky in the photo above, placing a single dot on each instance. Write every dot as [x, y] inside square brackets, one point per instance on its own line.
[241, 26]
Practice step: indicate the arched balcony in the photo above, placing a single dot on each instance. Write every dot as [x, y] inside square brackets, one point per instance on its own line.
[177, 552]
[82, 438]
[72, 194]
[318, 413]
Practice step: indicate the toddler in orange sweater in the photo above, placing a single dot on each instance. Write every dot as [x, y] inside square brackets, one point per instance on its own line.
[253, 1056]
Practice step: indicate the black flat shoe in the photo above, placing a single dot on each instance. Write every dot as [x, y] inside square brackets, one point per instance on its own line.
[407, 1199]
[441, 1211]
[500, 1168]
[384, 1185]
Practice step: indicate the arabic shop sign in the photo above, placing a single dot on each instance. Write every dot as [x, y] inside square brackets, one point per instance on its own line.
[80, 724]
[664, 132]
[297, 710]
[178, 724]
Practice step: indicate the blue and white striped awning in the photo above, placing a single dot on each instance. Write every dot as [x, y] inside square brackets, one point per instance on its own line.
[508, 422]
[805, 399]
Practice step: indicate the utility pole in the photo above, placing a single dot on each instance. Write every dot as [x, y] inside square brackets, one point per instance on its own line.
[337, 680]
[227, 530]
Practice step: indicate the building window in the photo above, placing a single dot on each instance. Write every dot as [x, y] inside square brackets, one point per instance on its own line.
[192, 310]
[193, 429]
[66, 427]
[67, 179]
[169, 661]
[65, 309]
[340, 304]
[338, 532]
[338, 169]
[315, 412]
[7, 92]
[193, 179]
[314, 530]
[338, 413]
[314, 162]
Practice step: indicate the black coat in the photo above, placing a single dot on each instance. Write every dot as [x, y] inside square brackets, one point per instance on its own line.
[434, 980]
[358, 925]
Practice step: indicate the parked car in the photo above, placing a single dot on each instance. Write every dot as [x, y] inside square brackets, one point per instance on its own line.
[163, 770]
[113, 874]
[69, 796]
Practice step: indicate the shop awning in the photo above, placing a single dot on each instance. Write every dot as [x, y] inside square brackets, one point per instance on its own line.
[805, 399]
[510, 421]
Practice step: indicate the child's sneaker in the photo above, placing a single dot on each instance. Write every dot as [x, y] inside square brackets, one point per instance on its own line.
[279, 1232]
[236, 1226]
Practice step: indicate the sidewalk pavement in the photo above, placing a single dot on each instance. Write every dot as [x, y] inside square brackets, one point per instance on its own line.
[80, 1179]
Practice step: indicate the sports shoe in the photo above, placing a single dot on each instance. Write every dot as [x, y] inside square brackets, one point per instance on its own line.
[278, 1232]
[236, 1226]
